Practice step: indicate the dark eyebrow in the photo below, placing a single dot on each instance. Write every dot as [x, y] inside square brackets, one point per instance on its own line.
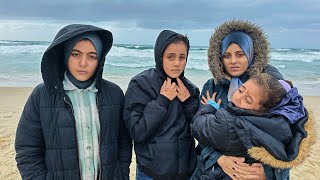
[92, 53]
[243, 87]
[82, 52]
[77, 50]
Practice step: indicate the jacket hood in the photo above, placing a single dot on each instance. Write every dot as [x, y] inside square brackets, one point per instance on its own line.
[165, 38]
[260, 46]
[261, 154]
[291, 106]
[52, 64]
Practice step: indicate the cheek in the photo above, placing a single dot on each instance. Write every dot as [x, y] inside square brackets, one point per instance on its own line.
[183, 63]
[244, 63]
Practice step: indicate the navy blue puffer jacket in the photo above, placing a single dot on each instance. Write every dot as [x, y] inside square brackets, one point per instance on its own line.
[159, 127]
[46, 142]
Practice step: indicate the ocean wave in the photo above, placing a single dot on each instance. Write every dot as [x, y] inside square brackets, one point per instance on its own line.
[280, 66]
[129, 65]
[282, 49]
[23, 49]
[117, 51]
[296, 56]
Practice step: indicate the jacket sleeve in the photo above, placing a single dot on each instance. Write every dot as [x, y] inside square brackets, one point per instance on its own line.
[210, 128]
[125, 148]
[143, 115]
[29, 142]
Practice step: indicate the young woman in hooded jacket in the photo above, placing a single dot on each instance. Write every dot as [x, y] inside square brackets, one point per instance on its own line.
[247, 55]
[257, 125]
[159, 106]
[71, 126]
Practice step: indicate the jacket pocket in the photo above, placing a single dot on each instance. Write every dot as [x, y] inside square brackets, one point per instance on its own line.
[166, 159]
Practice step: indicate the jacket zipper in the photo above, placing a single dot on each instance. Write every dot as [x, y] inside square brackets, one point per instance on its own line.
[100, 167]
[72, 112]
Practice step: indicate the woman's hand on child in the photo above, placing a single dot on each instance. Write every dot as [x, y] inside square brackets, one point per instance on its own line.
[169, 90]
[183, 92]
[227, 164]
[246, 171]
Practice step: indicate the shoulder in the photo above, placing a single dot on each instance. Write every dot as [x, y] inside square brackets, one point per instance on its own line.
[109, 86]
[273, 71]
[209, 83]
[145, 75]
[39, 91]
[145, 79]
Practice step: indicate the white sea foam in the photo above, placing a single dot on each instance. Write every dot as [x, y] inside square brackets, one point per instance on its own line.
[23, 49]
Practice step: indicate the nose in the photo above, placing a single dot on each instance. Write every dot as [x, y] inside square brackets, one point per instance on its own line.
[176, 62]
[233, 60]
[83, 61]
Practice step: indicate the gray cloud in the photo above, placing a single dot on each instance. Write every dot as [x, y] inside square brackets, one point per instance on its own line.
[286, 22]
[171, 14]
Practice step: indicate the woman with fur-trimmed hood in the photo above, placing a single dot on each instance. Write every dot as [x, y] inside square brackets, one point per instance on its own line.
[238, 51]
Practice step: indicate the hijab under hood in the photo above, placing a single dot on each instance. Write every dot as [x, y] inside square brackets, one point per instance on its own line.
[68, 47]
[165, 38]
[53, 60]
[260, 47]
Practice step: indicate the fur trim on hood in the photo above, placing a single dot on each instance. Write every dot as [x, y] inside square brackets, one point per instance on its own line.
[262, 155]
[260, 45]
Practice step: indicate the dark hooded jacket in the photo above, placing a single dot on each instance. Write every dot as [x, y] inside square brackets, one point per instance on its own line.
[220, 85]
[159, 127]
[46, 141]
[268, 137]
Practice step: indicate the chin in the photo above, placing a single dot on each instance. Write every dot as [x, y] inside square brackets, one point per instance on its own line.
[236, 74]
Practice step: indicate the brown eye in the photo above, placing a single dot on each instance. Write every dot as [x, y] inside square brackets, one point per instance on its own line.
[227, 56]
[240, 54]
[75, 54]
[182, 58]
[93, 57]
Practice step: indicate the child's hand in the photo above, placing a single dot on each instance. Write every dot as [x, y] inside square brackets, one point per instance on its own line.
[206, 99]
[169, 90]
[183, 92]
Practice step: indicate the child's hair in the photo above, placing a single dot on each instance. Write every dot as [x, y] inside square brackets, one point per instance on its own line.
[182, 38]
[274, 90]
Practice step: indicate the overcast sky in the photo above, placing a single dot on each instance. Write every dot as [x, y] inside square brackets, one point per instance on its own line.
[288, 23]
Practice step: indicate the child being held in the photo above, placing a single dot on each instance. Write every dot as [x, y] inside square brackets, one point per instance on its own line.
[265, 122]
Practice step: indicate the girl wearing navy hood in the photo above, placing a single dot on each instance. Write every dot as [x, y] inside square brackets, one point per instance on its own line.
[71, 126]
[159, 106]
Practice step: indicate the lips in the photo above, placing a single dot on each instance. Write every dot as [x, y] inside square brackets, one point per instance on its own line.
[82, 72]
[236, 68]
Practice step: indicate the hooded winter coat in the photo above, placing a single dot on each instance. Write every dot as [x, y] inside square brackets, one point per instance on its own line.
[46, 142]
[220, 85]
[159, 127]
[268, 137]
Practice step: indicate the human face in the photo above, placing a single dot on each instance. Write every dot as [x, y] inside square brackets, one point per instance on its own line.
[249, 96]
[83, 60]
[175, 59]
[235, 61]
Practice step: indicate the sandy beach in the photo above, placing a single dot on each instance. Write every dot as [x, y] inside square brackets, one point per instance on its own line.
[13, 100]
